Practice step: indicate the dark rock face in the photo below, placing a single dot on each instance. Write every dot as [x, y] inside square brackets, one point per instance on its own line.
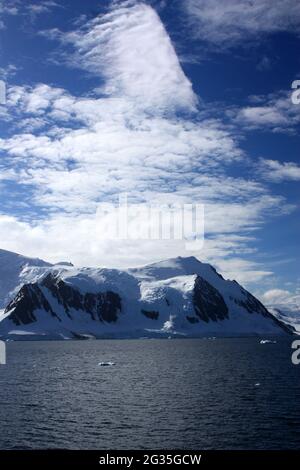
[251, 304]
[192, 320]
[63, 293]
[57, 298]
[208, 302]
[102, 306]
[150, 314]
[28, 299]
[109, 305]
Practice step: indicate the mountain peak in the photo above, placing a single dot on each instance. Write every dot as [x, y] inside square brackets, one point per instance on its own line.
[173, 267]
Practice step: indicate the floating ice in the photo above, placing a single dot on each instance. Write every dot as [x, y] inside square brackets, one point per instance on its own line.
[267, 341]
[105, 364]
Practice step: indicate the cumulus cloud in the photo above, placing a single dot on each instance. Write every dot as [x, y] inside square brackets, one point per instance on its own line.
[233, 22]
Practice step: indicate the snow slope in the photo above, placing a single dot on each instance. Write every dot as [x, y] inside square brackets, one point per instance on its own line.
[180, 296]
[17, 270]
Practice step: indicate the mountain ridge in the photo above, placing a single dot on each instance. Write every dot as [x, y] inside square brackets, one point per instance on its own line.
[178, 296]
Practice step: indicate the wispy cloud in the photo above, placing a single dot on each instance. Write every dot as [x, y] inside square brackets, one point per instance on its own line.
[233, 22]
[276, 171]
[8, 71]
[6, 8]
[130, 48]
[274, 112]
[31, 10]
[35, 9]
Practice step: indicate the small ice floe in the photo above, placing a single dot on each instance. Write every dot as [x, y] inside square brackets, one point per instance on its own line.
[106, 364]
[267, 341]
[257, 384]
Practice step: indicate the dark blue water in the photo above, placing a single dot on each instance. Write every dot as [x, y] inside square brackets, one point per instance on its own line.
[160, 394]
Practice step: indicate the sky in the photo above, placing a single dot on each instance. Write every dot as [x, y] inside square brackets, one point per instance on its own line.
[166, 102]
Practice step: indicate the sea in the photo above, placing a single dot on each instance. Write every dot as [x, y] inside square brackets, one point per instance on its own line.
[208, 393]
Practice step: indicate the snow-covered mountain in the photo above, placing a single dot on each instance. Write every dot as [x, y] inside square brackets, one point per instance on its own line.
[179, 296]
[17, 270]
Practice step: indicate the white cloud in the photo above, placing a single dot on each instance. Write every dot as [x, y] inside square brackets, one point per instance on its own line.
[8, 71]
[6, 8]
[80, 240]
[71, 153]
[33, 100]
[232, 22]
[130, 48]
[25, 9]
[262, 116]
[245, 271]
[282, 298]
[114, 150]
[273, 296]
[265, 63]
[41, 7]
[276, 171]
[274, 112]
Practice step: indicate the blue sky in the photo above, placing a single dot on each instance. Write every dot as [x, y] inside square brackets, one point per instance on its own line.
[166, 101]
